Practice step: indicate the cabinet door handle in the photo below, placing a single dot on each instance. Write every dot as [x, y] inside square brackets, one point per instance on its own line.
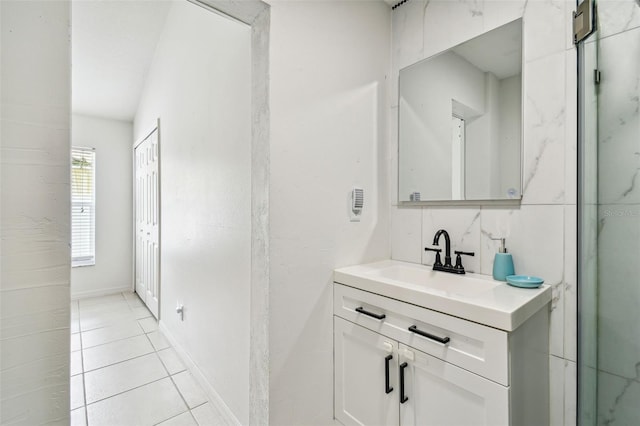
[403, 397]
[443, 340]
[371, 314]
[387, 389]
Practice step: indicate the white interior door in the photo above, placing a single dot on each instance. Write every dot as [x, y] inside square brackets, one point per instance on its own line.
[147, 214]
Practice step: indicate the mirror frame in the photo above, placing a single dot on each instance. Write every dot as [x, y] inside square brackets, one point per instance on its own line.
[488, 202]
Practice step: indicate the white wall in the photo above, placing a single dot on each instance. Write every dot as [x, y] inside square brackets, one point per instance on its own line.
[199, 85]
[541, 233]
[35, 236]
[329, 63]
[112, 140]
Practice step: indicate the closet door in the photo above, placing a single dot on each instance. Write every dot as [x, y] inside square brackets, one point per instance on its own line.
[147, 219]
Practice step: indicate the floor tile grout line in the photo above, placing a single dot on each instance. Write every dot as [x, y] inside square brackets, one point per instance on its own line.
[137, 320]
[101, 302]
[84, 387]
[83, 408]
[154, 346]
[81, 350]
[100, 307]
[117, 340]
[119, 305]
[162, 362]
[106, 325]
[154, 320]
[180, 393]
[176, 373]
[110, 312]
[165, 366]
[121, 362]
[106, 313]
[173, 417]
[200, 405]
[136, 298]
[171, 378]
[103, 308]
[129, 390]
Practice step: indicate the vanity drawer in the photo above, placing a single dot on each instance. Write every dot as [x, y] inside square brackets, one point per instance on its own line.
[474, 347]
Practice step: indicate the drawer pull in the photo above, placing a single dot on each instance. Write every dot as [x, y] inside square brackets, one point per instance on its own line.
[387, 388]
[443, 340]
[403, 397]
[371, 314]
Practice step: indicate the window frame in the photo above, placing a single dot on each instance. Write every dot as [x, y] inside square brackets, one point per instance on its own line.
[85, 260]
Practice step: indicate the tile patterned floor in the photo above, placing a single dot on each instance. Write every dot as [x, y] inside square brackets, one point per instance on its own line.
[125, 373]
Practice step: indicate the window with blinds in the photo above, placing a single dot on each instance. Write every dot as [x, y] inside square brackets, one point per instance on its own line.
[83, 202]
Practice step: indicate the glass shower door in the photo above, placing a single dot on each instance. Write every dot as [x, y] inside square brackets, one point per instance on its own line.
[609, 270]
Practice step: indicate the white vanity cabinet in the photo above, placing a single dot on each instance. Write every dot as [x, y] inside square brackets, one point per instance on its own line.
[447, 371]
[433, 393]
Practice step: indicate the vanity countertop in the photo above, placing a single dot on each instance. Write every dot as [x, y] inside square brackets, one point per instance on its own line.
[474, 297]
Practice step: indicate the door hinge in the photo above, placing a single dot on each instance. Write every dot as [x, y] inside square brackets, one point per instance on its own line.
[596, 77]
[583, 22]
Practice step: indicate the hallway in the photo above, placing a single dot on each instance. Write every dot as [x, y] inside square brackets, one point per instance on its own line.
[124, 371]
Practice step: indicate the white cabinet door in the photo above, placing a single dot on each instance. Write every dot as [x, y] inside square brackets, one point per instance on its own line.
[361, 359]
[147, 213]
[441, 394]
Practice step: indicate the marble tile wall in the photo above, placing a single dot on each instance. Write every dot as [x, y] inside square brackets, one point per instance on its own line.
[541, 232]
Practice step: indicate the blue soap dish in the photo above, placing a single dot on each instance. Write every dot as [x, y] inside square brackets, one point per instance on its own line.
[524, 281]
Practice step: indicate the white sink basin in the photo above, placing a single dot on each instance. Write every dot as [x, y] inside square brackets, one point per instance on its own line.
[435, 280]
[475, 297]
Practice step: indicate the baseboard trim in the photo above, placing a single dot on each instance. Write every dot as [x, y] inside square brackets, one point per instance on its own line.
[213, 395]
[75, 295]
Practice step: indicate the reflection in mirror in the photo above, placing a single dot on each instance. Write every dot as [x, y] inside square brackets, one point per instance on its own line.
[460, 121]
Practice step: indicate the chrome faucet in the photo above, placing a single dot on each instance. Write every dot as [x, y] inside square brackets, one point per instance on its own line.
[447, 267]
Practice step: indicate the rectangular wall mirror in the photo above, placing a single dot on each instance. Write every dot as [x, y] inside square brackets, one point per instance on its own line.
[460, 121]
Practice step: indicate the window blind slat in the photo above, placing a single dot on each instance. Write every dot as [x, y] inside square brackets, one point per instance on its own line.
[83, 205]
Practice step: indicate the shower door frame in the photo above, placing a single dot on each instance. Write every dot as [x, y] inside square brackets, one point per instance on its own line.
[582, 76]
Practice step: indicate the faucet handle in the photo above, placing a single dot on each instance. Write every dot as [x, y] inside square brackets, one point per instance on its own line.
[438, 261]
[459, 259]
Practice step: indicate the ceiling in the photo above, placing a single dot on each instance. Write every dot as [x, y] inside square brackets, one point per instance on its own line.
[112, 46]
